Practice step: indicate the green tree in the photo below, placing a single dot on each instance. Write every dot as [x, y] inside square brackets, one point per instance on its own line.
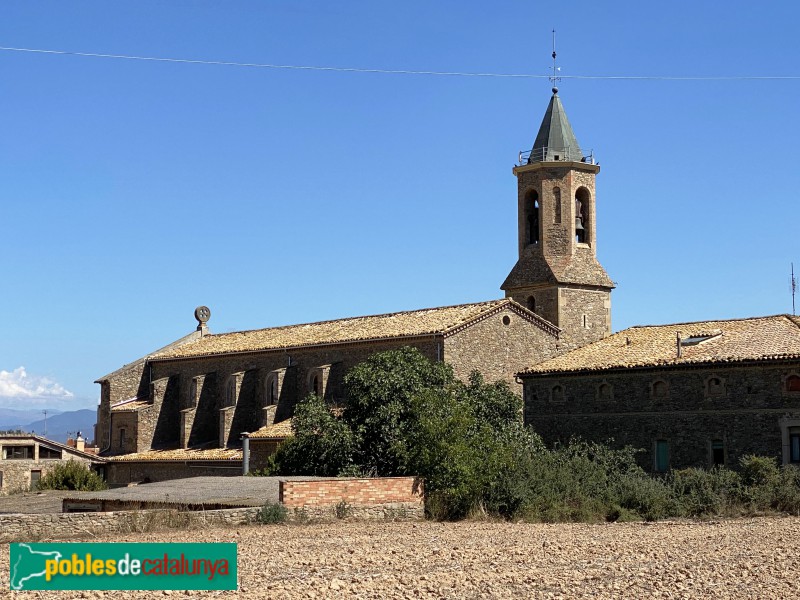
[322, 444]
[71, 475]
[469, 444]
[380, 391]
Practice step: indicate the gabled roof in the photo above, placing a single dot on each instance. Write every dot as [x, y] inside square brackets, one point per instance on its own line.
[736, 340]
[31, 437]
[555, 137]
[445, 320]
[195, 335]
[276, 431]
[179, 455]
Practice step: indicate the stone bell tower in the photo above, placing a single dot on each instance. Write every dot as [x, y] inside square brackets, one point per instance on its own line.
[557, 274]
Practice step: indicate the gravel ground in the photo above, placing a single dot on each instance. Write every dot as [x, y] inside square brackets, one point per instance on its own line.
[748, 558]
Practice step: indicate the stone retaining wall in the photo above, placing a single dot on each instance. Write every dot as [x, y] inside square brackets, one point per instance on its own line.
[42, 527]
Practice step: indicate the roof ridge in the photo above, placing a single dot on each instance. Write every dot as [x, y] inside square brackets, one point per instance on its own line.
[760, 318]
[390, 314]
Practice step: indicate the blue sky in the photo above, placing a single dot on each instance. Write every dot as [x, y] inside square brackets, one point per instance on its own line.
[134, 191]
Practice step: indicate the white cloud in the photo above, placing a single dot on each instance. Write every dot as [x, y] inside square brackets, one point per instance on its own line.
[19, 385]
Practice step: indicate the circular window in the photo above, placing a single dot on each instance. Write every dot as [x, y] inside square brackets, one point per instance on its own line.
[506, 320]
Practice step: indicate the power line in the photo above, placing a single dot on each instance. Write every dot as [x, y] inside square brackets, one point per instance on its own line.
[226, 63]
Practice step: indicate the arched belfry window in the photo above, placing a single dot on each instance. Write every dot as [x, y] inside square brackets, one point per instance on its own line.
[582, 225]
[533, 218]
[556, 205]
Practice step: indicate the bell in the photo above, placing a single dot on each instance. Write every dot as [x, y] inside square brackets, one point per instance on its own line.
[578, 224]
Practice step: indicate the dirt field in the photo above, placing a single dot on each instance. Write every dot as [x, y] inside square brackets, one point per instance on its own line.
[756, 558]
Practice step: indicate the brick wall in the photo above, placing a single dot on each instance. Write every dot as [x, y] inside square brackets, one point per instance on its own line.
[355, 492]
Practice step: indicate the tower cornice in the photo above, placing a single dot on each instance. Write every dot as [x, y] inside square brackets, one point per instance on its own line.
[561, 164]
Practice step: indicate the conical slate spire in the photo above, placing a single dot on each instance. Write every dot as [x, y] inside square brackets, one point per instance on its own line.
[555, 140]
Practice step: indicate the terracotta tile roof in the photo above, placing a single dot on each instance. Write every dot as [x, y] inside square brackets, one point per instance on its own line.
[759, 338]
[400, 324]
[276, 431]
[180, 454]
[130, 405]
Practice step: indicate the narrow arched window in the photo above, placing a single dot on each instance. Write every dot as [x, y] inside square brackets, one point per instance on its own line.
[556, 205]
[660, 390]
[531, 304]
[230, 392]
[533, 218]
[272, 390]
[557, 394]
[315, 386]
[605, 391]
[582, 224]
[793, 383]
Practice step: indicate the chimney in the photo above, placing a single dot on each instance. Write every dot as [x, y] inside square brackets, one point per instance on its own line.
[71, 442]
[80, 443]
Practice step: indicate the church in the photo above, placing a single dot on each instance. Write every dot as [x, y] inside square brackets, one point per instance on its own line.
[182, 409]
[691, 394]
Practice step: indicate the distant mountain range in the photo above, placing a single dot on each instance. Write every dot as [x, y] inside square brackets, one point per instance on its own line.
[60, 425]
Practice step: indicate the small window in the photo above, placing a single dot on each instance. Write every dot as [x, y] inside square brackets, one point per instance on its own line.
[794, 445]
[506, 320]
[315, 385]
[531, 303]
[660, 390]
[662, 456]
[49, 453]
[557, 394]
[715, 388]
[35, 477]
[605, 391]
[121, 446]
[793, 383]
[1, 480]
[717, 453]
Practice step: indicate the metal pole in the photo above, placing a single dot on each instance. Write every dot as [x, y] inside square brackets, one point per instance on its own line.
[245, 453]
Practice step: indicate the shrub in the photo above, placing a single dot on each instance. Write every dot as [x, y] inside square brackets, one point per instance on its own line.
[787, 491]
[760, 477]
[703, 493]
[272, 513]
[72, 475]
[342, 510]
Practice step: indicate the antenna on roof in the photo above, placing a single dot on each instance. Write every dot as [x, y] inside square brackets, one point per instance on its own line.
[793, 285]
[554, 78]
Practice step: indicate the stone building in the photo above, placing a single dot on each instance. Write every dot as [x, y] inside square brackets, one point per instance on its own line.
[689, 394]
[205, 390]
[25, 457]
[196, 396]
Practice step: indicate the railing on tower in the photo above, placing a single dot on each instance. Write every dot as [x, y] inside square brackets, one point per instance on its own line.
[552, 154]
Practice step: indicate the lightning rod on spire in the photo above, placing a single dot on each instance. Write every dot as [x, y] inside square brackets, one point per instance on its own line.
[554, 78]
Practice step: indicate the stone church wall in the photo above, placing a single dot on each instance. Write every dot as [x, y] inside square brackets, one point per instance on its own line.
[499, 350]
[160, 425]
